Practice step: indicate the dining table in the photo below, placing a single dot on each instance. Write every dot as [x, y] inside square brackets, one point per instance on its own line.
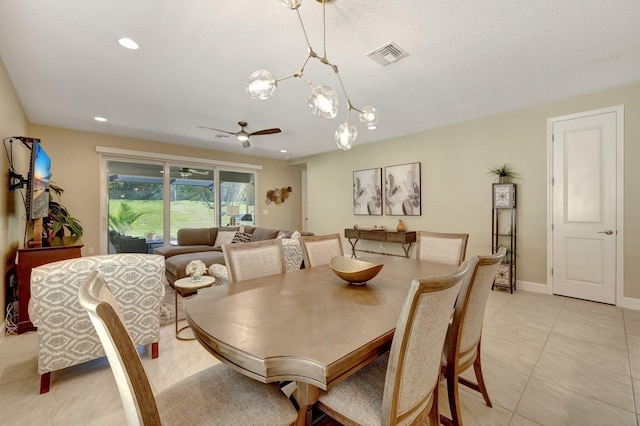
[307, 326]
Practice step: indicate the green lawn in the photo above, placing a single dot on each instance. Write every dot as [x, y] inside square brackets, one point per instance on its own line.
[184, 214]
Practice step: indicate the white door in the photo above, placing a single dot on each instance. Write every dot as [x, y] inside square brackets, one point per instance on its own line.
[584, 204]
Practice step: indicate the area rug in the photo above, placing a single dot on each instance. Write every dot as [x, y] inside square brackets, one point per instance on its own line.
[168, 307]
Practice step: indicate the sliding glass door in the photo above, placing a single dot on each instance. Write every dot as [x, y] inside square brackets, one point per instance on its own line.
[192, 198]
[149, 201]
[135, 206]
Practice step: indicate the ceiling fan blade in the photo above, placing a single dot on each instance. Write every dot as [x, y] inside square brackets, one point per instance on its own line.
[265, 132]
[217, 130]
[199, 172]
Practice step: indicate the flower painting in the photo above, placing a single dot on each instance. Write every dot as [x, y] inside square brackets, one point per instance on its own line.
[367, 192]
[402, 190]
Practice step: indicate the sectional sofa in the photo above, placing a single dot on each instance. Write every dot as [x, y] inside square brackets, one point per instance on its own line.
[205, 244]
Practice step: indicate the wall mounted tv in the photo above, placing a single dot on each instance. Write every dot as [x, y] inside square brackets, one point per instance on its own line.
[38, 182]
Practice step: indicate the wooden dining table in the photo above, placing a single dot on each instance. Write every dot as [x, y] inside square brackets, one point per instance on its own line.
[308, 326]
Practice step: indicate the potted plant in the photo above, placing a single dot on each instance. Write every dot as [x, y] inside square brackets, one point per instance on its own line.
[59, 218]
[503, 172]
[122, 220]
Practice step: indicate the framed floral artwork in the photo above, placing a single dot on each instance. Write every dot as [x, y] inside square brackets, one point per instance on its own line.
[367, 192]
[402, 189]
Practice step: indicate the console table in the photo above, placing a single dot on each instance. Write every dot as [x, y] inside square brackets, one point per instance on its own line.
[28, 258]
[401, 237]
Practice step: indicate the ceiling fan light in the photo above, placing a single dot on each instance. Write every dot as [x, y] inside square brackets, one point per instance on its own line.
[291, 4]
[243, 138]
[261, 84]
[345, 135]
[245, 143]
[323, 102]
[369, 117]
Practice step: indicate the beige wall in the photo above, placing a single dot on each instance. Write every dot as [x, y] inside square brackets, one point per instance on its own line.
[76, 166]
[456, 190]
[12, 123]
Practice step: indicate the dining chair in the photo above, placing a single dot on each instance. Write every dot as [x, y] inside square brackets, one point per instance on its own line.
[402, 387]
[441, 247]
[252, 260]
[462, 347]
[217, 395]
[319, 249]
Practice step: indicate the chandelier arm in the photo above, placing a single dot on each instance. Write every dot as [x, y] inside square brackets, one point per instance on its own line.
[324, 30]
[304, 31]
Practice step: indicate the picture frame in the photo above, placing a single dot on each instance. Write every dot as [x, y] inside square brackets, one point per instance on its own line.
[367, 192]
[504, 195]
[403, 190]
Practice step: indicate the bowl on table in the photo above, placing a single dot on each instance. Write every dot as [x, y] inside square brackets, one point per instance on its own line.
[354, 271]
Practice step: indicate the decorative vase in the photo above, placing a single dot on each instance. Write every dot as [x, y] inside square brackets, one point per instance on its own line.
[401, 227]
[196, 278]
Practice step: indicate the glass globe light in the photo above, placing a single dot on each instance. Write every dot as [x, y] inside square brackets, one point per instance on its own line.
[291, 4]
[323, 102]
[261, 85]
[369, 117]
[346, 134]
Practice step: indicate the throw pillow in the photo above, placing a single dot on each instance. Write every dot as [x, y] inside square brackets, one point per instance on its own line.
[292, 250]
[295, 235]
[224, 237]
[284, 234]
[241, 237]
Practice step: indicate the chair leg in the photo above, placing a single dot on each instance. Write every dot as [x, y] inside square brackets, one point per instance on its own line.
[454, 398]
[477, 367]
[154, 350]
[45, 381]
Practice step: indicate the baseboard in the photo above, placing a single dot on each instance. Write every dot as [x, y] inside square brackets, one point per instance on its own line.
[532, 287]
[630, 303]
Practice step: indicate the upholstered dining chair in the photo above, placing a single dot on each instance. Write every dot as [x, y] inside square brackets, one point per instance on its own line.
[217, 395]
[402, 387]
[252, 260]
[319, 249]
[441, 247]
[462, 348]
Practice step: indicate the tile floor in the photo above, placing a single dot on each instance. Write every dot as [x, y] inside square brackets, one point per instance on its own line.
[547, 360]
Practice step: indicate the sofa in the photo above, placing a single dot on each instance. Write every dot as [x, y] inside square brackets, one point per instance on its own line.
[205, 244]
[66, 336]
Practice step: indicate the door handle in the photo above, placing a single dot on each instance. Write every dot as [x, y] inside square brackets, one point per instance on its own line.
[608, 232]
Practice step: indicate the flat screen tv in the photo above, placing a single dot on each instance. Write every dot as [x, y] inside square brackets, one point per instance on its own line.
[38, 182]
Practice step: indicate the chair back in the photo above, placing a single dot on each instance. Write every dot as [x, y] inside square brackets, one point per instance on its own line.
[134, 387]
[416, 352]
[319, 249]
[466, 328]
[441, 247]
[246, 261]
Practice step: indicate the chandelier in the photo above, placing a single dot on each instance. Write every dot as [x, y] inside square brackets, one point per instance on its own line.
[323, 100]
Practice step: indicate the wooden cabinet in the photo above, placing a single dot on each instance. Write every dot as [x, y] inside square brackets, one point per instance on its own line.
[504, 233]
[30, 257]
[401, 237]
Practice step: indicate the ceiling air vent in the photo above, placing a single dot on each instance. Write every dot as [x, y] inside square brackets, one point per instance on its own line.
[387, 54]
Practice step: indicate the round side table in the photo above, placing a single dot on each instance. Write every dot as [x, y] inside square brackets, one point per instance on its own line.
[185, 287]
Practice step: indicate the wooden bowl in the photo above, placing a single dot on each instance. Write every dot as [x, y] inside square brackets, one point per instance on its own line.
[353, 270]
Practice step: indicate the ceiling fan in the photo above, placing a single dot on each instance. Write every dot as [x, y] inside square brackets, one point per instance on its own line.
[185, 172]
[242, 135]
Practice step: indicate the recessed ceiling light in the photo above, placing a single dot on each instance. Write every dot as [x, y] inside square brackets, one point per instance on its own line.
[99, 118]
[283, 151]
[128, 43]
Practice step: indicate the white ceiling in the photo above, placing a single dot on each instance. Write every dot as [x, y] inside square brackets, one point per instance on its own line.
[468, 59]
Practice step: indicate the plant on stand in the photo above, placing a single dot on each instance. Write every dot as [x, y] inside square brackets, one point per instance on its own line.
[504, 173]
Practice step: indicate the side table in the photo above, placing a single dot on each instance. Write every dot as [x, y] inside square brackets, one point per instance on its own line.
[185, 286]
